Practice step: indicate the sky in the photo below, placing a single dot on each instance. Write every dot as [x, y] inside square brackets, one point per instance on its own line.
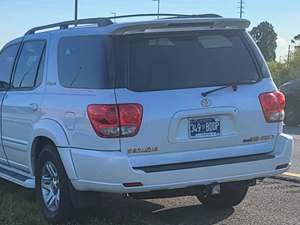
[18, 16]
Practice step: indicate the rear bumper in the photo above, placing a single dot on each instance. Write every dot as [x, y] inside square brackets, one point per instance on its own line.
[107, 171]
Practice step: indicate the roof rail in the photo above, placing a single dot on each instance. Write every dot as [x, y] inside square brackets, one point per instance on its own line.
[101, 22]
[105, 21]
[170, 15]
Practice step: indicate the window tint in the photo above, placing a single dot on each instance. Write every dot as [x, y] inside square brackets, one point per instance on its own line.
[190, 60]
[7, 58]
[82, 62]
[28, 64]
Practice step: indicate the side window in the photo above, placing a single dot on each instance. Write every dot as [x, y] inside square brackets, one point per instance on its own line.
[82, 63]
[7, 59]
[39, 77]
[28, 64]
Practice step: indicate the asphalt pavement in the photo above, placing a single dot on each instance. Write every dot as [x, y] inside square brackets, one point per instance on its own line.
[295, 131]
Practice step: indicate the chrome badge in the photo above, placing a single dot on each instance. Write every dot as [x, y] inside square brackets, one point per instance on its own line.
[142, 150]
[206, 102]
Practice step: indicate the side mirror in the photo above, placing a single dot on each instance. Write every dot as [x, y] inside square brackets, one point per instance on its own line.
[4, 85]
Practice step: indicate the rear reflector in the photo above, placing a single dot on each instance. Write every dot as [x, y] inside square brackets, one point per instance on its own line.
[273, 104]
[283, 166]
[113, 121]
[133, 184]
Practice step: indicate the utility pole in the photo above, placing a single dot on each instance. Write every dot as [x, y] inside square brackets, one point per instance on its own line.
[242, 8]
[76, 12]
[115, 15]
[289, 54]
[158, 7]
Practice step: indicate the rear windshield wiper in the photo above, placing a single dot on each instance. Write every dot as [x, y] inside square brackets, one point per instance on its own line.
[233, 85]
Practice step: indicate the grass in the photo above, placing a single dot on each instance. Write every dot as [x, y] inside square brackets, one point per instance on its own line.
[18, 206]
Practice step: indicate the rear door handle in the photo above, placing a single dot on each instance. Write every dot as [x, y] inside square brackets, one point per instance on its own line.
[34, 107]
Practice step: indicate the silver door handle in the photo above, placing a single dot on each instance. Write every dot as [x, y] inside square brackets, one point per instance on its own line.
[34, 106]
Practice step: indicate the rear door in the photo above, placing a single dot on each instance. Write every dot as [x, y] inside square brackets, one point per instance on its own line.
[7, 59]
[21, 105]
[167, 74]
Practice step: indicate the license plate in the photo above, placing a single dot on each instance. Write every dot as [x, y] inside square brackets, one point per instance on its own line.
[203, 128]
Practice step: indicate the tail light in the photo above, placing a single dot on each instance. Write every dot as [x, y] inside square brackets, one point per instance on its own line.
[113, 121]
[273, 104]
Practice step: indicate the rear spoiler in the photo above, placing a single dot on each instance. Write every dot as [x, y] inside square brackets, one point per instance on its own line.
[176, 25]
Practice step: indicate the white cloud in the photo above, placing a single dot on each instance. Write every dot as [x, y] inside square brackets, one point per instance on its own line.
[282, 48]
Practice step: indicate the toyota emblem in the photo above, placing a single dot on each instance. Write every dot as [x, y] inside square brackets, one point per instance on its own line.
[206, 102]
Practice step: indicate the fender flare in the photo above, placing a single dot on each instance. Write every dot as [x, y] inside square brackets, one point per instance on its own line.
[50, 129]
[53, 130]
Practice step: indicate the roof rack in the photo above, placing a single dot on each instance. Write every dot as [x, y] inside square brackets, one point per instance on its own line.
[105, 21]
[100, 22]
[170, 15]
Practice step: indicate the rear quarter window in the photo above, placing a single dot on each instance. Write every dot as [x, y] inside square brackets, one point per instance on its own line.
[82, 62]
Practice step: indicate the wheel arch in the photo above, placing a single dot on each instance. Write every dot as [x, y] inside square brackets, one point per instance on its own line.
[46, 131]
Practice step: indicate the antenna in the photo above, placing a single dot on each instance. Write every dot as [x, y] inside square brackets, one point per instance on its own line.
[242, 8]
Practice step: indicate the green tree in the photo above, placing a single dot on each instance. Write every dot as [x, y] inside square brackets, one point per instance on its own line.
[265, 37]
[294, 64]
[296, 40]
[286, 71]
[280, 72]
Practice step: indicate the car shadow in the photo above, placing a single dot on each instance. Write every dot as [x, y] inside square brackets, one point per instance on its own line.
[9, 188]
[114, 209]
[117, 210]
[193, 215]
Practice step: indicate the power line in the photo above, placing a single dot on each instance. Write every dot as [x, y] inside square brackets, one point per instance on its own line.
[242, 8]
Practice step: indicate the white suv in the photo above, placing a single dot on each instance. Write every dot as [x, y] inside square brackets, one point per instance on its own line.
[183, 105]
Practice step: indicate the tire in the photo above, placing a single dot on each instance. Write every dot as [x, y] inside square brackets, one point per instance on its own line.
[52, 180]
[232, 194]
[291, 114]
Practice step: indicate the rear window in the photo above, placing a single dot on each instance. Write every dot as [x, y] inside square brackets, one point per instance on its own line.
[82, 63]
[170, 61]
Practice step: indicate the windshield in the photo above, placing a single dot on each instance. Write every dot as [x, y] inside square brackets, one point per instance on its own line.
[189, 60]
